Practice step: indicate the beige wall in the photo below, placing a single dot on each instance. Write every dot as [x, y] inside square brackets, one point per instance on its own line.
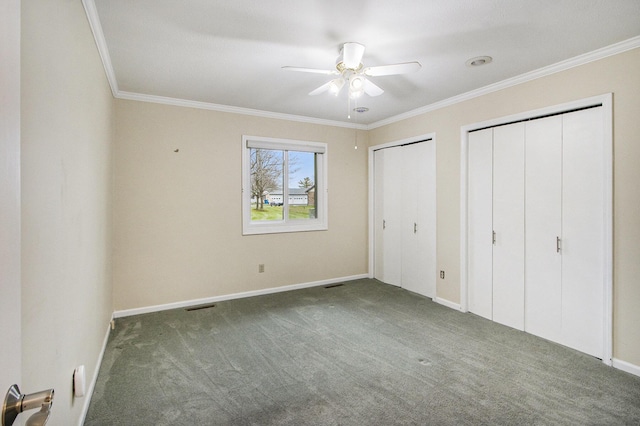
[66, 118]
[177, 215]
[618, 74]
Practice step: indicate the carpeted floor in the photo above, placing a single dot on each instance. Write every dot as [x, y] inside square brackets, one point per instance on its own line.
[363, 353]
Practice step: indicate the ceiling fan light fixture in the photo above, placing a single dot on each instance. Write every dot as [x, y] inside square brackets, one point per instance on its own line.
[356, 82]
[356, 86]
[350, 71]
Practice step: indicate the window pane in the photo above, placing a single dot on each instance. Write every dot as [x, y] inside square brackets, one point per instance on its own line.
[283, 186]
[302, 189]
[267, 176]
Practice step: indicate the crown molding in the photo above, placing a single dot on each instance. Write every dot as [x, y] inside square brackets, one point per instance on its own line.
[234, 110]
[103, 50]
[576, 61]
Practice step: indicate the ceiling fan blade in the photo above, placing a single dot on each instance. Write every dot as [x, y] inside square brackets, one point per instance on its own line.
[312, 70]
[352, 55]
[320, 89]
[372, 89]
[402, 68]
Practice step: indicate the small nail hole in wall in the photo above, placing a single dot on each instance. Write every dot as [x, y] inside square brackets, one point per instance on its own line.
[176, 150]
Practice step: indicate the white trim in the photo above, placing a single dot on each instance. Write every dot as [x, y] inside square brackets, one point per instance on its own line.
[464, 224]
[279, 144]
[371, 202]
[89, 392]
[604, 99]
[101, 44]
[626, 366]
[214, 299]
[405, 141]
[11, 353]
[607, 104]
[447, 303]
[320, 223]
[576, 61]
[235, 110]
[372, 149]
[607, 158]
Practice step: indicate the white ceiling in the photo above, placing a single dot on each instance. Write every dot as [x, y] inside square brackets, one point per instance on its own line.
[228, 54]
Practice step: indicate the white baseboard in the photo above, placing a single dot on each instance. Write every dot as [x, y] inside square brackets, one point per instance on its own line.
[214, 299]
[448, 303]
[89, 392]
[626, 366]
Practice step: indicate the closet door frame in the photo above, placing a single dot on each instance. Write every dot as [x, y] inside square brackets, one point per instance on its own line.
[372, 236]
[606, 101]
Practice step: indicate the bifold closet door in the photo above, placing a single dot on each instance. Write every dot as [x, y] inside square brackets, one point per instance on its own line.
[405, 216]
[428, 220]
[539, 185]
[419, 218]
[543, 222]
[388, 215]
[543, 276]
[496, 224]
[565, 236]
[583, 231]
[508, 225]
[480, 223]
[378, 206]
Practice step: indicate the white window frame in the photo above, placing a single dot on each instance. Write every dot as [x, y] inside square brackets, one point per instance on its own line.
[320, 223]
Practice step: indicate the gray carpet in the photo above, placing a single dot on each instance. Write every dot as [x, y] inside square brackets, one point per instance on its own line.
[363, 353]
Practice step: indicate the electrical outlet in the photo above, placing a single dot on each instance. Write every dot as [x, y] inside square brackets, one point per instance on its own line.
[442, 274]
[261, 268]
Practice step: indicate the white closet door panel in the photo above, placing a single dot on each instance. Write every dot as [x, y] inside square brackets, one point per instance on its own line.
[543, 217]
[480, 250]
[583, 232]
[508, 224]
[427, 219]
[392, 216]
[378, 213]
[418, 228]
[410, 189]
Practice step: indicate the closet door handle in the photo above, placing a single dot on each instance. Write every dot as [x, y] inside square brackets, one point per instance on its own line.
[493, 241]
[558, 245]
[384, 224]
[415, 227]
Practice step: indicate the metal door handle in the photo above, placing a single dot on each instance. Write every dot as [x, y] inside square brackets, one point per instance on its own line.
[384, 224]
[558, 245]
[16, 402]
[494, 238]
[415, 227]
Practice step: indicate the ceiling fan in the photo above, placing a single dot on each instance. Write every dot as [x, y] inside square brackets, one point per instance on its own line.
[352, 72]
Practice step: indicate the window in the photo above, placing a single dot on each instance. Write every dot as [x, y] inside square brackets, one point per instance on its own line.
[284, 185]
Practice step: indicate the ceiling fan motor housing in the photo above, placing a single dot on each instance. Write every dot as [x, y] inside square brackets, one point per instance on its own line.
[341, 67]
[351, 55]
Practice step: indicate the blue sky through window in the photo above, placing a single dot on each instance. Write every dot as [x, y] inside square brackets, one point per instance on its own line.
[305, 166]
